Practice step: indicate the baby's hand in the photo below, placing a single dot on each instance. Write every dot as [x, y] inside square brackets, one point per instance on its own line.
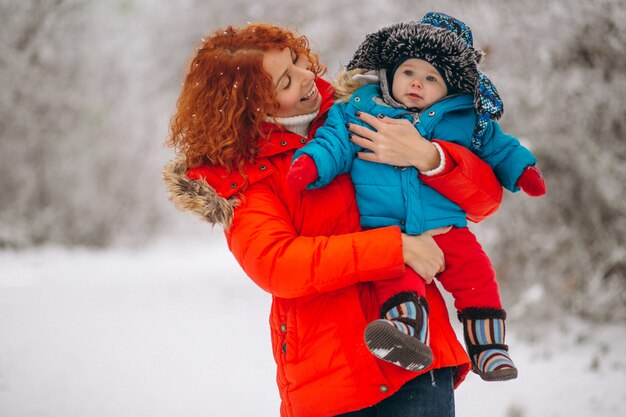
[531, 182]
[302, 172]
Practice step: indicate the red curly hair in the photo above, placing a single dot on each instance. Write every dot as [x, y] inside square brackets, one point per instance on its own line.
[226, 95]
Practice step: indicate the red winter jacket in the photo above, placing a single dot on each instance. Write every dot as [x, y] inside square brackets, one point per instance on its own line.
[309, 252]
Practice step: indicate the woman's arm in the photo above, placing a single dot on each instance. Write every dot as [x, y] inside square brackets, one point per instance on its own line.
[265, 243]
[468, 181]
[464, 179]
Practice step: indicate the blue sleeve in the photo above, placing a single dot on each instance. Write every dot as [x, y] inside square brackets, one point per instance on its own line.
[331, 149]
[506, 155]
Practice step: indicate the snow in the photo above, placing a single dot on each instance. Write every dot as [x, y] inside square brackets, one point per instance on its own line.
[177, 330]
[381, 353]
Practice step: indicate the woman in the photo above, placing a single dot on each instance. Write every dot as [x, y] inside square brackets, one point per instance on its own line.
[251, 97]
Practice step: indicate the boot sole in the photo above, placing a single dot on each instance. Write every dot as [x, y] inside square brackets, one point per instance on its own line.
[389, 344]
[497, 375]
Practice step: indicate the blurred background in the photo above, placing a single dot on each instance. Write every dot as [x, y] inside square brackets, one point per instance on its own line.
[88, 88]
[105, 287]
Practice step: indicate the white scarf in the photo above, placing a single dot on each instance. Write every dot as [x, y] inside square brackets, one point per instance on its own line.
[297, 124]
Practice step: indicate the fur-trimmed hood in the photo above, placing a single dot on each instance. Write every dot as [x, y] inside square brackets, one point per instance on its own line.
[197, 196]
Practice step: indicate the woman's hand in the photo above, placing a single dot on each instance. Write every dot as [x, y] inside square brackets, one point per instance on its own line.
[394, 142]
[423, 255]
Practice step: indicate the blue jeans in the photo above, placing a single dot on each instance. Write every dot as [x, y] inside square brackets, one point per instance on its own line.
[428, 395]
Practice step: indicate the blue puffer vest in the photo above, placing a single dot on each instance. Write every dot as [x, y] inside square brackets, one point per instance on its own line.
[389, 195]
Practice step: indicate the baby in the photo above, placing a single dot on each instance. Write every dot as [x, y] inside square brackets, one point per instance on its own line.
[426, 72]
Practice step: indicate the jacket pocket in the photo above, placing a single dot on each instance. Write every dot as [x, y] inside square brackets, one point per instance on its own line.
[283, 331]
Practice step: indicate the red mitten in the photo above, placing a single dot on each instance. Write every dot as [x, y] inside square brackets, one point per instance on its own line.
[302, 172]
[531, 182]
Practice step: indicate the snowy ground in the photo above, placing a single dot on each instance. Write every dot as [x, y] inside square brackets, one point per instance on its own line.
[175, 330]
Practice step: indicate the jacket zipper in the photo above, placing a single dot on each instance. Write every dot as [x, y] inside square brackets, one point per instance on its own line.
[414, 115]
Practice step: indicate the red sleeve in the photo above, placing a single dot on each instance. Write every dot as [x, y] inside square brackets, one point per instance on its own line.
[468, 181]
[266, 245]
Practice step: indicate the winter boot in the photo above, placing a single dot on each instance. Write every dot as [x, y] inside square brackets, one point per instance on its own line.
[401, 335]
[484, 329]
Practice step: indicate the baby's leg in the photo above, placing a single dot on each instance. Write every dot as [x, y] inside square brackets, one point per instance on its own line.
[468, 276]
[471, 280]
[409, 282]
[400, 335]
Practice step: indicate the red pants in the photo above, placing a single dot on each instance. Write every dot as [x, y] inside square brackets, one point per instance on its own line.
[468, 276]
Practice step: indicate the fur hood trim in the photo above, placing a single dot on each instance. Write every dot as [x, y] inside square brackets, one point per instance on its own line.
[197, 196]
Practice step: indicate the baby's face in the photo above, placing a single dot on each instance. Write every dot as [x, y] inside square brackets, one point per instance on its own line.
[416, 83]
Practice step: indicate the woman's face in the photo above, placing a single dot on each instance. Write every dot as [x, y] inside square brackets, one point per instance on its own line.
[294, 83]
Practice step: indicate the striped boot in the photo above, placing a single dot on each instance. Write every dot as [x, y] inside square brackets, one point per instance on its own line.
[484, 331]
[401, 335]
